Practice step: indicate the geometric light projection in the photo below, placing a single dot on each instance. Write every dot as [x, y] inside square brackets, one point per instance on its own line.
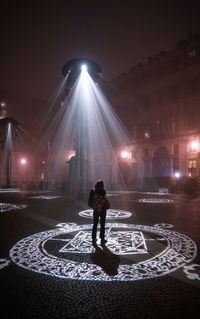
[4, 207]
[164, 225]
[154, 193]
[112, 194]
[10, 190]
[192, 271]
[117, 193]
[4, 263]
[143, 251]
[120, 242]
[45, 197]
[111, 214]
[155, 200]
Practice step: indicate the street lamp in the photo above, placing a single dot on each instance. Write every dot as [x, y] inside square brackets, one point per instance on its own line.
[125, 165]
[125, 155]
[177, 175]
[2, 110]
[147, 135]
[23, 161]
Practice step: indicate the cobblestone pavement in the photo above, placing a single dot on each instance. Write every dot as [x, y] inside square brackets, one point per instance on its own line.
[149, 268]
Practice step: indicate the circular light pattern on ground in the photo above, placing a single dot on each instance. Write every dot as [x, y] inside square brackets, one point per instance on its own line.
[117, 193]
[10, 190]
[155, 200]
[111, 214]
[192, 271]
[164, 225]
[143, 252]
[4, 207]
[45, 197]
[4, 263]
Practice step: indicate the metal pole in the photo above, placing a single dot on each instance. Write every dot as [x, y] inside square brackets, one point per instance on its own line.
[8, 164]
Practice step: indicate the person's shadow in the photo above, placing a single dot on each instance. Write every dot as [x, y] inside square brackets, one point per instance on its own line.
[104, 258]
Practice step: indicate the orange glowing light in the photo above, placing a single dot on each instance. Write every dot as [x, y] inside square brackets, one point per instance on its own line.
[125, 154]
[23, 161]
[195, 145]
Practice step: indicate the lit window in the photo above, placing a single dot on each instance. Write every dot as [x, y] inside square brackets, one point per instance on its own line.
[192, 164]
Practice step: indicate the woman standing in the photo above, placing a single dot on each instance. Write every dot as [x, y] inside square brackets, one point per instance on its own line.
[99, 202]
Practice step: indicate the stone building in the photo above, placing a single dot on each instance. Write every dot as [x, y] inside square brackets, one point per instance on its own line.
[163, 112]
[19, 163]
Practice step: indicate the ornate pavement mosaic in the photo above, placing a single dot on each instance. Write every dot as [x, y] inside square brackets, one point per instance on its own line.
[111, 214]
[138, 252]
[4, 262]
[45, 197]
[4, 207]
[155, 200]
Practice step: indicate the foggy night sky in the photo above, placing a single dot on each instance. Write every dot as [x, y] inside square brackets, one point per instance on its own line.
[39, 37]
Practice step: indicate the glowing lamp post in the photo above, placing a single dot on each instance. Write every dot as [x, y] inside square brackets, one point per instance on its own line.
[125, 155]
[23, 161]
[177, 175]
[125, 164]
[8, 132]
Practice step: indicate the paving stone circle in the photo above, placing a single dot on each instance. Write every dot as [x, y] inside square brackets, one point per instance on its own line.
[64, 252]
[155, 200]
[4, 207]
[3, 263]
[111, 214]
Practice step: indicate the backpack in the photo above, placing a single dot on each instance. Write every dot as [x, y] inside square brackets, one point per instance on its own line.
[100, 202]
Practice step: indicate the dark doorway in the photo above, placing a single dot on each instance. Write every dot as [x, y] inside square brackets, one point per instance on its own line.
[161, 162]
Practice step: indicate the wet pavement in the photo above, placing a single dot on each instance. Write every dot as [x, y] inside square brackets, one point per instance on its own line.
[149, 267]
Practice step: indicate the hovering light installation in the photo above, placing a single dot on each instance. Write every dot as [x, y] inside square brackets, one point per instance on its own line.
[72, 69]
[84, 67]
[87, 127]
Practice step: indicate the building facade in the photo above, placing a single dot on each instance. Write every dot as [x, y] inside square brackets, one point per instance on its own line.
[19, 166]
[164, 113]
